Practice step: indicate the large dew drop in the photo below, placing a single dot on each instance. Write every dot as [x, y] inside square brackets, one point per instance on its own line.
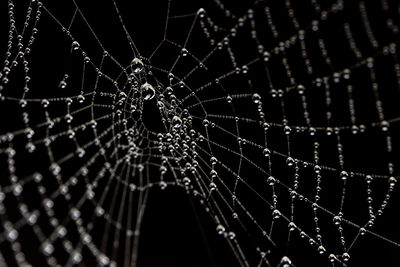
[137, 65]
[176, 122]
[148, 91]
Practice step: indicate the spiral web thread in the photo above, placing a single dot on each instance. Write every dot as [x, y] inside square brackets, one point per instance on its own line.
[98, 159]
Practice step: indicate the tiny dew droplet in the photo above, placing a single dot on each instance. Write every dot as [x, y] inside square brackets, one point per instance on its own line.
[137, 65]
[62, 84]
[290, 161]
[344, 175]
[346, 256]
[148, 91]
[266, 152]
[201, 12]
[176, 122]
[75, 45]
[276, 214]
[256, 98]
[184, 52]
[212, 186]
[321, 249]
[163, 185]
[220, 229]
[271, 180]
[186, 181]
[81, 98]
[231, 235]
[286, 262]
[363, 231]
[337, 220]
[266, 56]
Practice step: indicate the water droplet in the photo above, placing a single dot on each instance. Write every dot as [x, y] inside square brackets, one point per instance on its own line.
[81, 98]
[321, 249]
[220, 229]
[186, 181]
[99, 211]
[47, 248]
[344, 175]
[163, 185]
[385, 126]
[76, 257]
[290, 161]
[62, 84]
[392, 181]
[55, 169]
[285, 262]
[12, 235]
[256, 98]
[75, 213]
[30, 147]
[271, 180]
[332, 257]
[317, 169]
[266, 56]
[287, 130]
[148, 91]
[292, 226]
[176, 122]
[346, 256]
[45, 103]
[337, 220]
[363, 231]
[184, 52]
[81, 152]
[231, 235]
[300, 89]
[104, 260]
[61, 231]
[68, 118]
[75, 45]
[137, 65]
[212, 186]
[201, 12]
[276, 214]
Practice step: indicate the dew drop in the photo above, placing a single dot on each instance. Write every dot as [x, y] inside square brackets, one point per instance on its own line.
[256, 98]
[290, 161]
[55, 169]
[186, 181]
[137, 65]
[276, 214]
[212, 186]
[220, 229]
[231, 235]
[271, 180]
[176, 122]
[337, 220]
[321, 250]
[285, 262]
[184, 52]
[346, 256]
[81, 98]
[163, 185]
[148, 91]
[201, 12]
[75, 45]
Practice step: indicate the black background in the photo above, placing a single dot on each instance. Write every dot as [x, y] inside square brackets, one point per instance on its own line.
[176, 230]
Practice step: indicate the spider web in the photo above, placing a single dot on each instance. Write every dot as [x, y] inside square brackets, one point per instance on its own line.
[278, 118]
